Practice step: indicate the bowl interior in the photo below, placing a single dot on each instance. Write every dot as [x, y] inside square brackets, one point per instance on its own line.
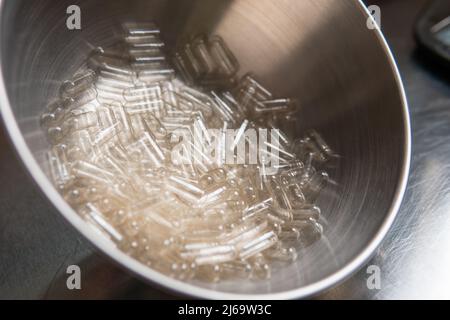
[318, 51]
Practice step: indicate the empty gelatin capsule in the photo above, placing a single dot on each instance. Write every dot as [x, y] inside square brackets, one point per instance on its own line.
[283, 254]
[240, 135]
[193, 65]
[174, 266]
[258, 91]
[75, 153]
[98, 217]
[187, 185]
[295, 195]
[234, 206]
[289, 234]
[272, 106]
[261, 269]
[168, 91]
[155, 126]
[307, 212]
[201, 132]
[105, 135]
[238, 109]
[149, 150]
[278, 193]
[321, 144]
[56, 134]
[58, 106]
[147, 56]
[107, 204]
[256, 208]
[80, 82]
[249, 194]
[241, 269]
[143, 54]
[113, 83]
[108, 97]
[310, 231]
[284, 215]
[140, 28]
[158, 75]
[82, 109]
[197, 95]
[149, 64]
[108, 92]
[277, 150]
[222, 109]
[139, 39]
[78, 195]
[143, 108]
[138, 126]
[113, 65]
[307, 147]
[49, 119]
[142, 92]
[242, 233]
[90, 171]
[211, 255]
[209, 221]
[114, 51]
[115, 79]
[214, 177]
[205, 218]
[83, 119]
[201, 52]
[210, 273]
[82, 98]
[81, 139]
[223, 56]
[182, 67]
[59, 166]
[315, 185]
[214, 196]
[121, 116]
[308, 170]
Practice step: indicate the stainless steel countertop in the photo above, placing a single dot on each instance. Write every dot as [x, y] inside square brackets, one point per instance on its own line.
[37, 245]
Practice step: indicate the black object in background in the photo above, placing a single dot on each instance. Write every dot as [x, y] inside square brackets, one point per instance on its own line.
[433, 30]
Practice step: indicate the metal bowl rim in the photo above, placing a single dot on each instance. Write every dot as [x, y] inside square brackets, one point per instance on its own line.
[189, 289]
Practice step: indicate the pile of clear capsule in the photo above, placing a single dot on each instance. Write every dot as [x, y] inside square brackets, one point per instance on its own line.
[113, 130]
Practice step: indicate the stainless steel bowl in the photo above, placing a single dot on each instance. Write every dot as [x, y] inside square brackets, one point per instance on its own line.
[319, 51]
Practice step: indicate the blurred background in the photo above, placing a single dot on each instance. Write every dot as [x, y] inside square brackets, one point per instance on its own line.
[37, 245]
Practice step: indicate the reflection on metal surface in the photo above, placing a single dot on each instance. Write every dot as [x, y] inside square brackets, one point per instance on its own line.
[421, 239]
[413, 229]
[415, 257]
